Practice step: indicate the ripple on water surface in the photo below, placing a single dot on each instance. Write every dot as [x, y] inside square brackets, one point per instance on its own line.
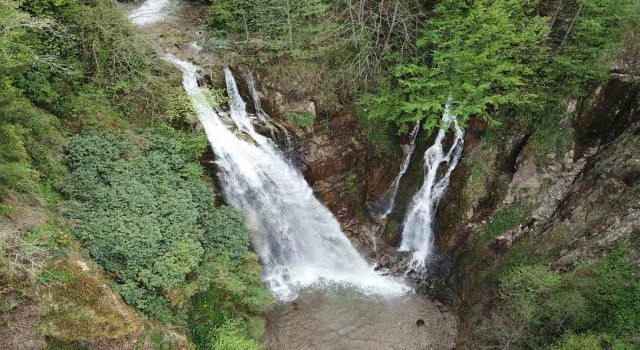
[339, 320]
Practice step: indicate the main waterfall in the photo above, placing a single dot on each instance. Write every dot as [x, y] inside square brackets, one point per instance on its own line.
[298, 240]
[417, 234]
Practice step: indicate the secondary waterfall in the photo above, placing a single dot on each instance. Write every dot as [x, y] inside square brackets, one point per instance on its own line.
[384, 206]
[260, 113]
[254, 96]
[417, 234]
[298, 240]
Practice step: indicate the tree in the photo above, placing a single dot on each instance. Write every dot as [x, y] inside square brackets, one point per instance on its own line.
[480, 56]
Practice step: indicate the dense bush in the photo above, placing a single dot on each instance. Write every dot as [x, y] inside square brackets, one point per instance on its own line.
[594, 307]
[146, 216]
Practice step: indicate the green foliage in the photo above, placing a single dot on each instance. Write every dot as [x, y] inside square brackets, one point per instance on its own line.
[587, 53]
[571, 341]
[379, 135]
[503, 220]
[145, 216]
[478, 54]
[614, 294]
[233, 297]
[352, 185]
[14, 166]
[81, 60]
[230, 337]
[224, 228]
[300, 119]
[520, 254]
[506, 61]
[596, 306]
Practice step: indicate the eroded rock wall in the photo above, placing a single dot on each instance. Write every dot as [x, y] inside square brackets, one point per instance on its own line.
[576, 202]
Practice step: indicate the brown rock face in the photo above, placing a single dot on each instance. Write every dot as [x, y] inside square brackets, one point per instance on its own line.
[327, 155]
[332, 161]
[612, 108]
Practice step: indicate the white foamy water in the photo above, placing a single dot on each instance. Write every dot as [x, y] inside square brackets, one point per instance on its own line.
[385, 205]
[251, 84]
[417, 234]
[261, 114]
[298, 240]
[151, 11]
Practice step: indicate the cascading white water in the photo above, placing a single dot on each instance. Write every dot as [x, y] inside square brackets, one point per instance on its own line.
[417, 234]
[298, 240]
[261, 113]
[151, 11]
[385, 205]
[254, 96]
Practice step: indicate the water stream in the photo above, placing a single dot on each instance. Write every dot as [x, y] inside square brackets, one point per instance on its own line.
[384, 206]
[150, 12]
[298, 240]
[330, 297]
[261, 114]
[417, 234]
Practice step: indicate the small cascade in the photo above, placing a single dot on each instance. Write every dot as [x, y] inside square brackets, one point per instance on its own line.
[237, 106]
[299, 242]
[417, 234]
[262, 115]
[254, 96]
[151, 11]
[384, 206]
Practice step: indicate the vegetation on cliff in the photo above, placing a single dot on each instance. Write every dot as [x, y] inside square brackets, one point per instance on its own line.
[77, 183]
[515, 64]
[93, 168]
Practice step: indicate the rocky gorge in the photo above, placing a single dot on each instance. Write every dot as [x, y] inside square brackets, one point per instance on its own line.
[533, 228]
[585, 182]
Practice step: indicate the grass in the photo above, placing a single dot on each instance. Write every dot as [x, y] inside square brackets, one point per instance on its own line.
[81, 307]
[503, 220]
[300, 119]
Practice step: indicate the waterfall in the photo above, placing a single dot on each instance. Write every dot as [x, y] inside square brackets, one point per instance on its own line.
[298, 240]
[151, 11]
[384, 206]
[417, 234]
[261, 113]
[254, 96]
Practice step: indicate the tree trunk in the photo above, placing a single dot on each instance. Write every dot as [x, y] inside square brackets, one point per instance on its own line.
[573, 22]
[289, 25]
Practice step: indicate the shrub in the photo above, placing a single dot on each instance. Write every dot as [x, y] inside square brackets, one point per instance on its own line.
[234, 295]
[230, 337]
[571, 341]
[300, 119]
[147, 217]
[596, 306]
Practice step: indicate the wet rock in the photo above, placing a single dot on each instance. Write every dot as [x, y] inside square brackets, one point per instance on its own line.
[612, 107]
